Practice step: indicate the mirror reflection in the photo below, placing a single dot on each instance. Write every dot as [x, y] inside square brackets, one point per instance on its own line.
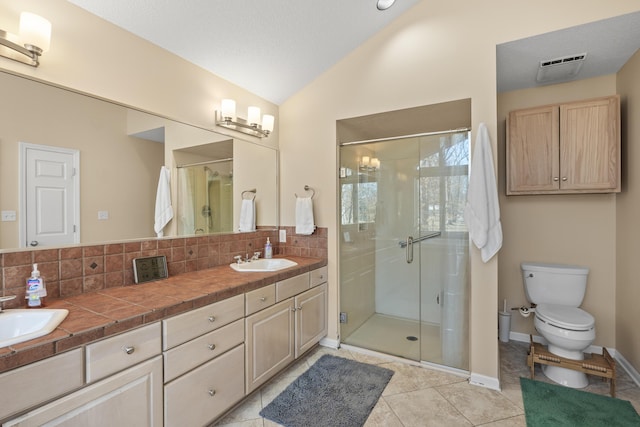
[120, 152]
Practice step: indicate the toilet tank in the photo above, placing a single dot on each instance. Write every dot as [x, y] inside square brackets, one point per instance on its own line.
[554, 283]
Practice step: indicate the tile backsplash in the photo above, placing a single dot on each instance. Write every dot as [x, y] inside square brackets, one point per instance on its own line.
[70, 271]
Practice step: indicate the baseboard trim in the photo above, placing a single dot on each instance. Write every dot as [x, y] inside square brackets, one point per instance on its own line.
[331, 343]
[624, 363]
[484, 381]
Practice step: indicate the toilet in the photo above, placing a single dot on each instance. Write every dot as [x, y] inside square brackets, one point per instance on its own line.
[558, 290]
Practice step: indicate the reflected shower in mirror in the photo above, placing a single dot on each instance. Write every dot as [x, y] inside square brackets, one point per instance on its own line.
[205, 198]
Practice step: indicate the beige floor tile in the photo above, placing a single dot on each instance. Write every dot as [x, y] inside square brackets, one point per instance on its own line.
[479, 405]
[518, 421]
[408, 378]
[382, 416]
[425, 408]
[247, 411]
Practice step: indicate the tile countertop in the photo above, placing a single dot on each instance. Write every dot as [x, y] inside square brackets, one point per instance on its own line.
[99, 314]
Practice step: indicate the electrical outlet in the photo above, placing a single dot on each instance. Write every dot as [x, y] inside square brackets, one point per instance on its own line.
[283, 236]
[8, 215]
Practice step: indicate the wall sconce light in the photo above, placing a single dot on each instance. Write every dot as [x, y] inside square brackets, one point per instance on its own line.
[35, 36]
[254, 125]
[369, 164]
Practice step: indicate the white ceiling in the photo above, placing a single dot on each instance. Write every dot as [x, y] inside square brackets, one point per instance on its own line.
[275, 48]
[608, 43]
[271, 48]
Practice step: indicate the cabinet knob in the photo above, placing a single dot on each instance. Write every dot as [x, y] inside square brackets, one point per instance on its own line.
[564, 178]
[212, 346]
[212, 392]
[293, 309]
[129, 349]
[555, 178]
[263, 299]
[299, 308]
[212, 319]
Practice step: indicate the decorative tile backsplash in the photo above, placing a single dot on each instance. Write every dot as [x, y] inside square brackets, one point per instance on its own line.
[79, 269]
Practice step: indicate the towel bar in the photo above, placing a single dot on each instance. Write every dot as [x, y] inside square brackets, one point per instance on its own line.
[253, 191]
[307, 188]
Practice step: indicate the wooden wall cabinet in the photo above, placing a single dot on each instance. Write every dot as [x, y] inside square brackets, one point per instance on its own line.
[564, 148]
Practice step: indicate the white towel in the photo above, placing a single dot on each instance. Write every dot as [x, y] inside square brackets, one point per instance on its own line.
[186, 211]
[304, 216]
[247, 216]
[482, 211]
[164, 211]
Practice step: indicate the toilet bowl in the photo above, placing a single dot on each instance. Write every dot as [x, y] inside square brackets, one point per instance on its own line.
[558, 290]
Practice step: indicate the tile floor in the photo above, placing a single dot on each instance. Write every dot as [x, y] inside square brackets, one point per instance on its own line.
[418, 396]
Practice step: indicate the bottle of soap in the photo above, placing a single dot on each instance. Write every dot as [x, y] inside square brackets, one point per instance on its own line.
[36, 291]
[268, 250]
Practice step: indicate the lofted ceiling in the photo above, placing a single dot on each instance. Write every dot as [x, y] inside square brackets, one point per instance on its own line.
[275, 48]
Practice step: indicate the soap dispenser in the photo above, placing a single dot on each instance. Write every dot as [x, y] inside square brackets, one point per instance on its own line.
[36, 291]
[268, 250]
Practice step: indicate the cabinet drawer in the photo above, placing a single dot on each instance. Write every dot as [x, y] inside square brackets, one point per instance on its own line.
[114, 354]
[188, 326]
[205, 393]
[37, 382]
[292, 286]
[259, 299]
[183, 358]
[318, 276]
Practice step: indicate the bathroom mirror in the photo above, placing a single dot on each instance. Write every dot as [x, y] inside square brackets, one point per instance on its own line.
[120, 151]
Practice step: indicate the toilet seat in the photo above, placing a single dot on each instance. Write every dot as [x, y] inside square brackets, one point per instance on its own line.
[561, 316]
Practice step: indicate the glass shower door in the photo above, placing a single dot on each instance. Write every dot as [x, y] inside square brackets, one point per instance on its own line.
[402, 240]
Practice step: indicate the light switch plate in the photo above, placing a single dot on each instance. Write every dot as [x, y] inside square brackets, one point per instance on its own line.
[283, 236]
[8, 215]
[103, 214]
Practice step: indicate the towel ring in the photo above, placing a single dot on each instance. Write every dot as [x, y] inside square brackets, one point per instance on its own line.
[307, 188]
[253, 191]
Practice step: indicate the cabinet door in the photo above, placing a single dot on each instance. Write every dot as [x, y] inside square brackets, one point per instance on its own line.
[533, 150]
[311, 318]
[589, 150]
[270, 342]
[200, 396]
[129, 398]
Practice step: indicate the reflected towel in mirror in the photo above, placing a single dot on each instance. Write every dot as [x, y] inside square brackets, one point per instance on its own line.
[304, 216]
[164, 210]
[247, 216]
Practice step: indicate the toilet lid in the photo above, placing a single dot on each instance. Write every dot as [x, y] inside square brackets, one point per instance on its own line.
[562, 316]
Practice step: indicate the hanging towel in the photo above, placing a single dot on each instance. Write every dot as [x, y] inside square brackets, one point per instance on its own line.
[164, 211]
[186, 211]
[304, 216]
[247, 215]
[482, 211]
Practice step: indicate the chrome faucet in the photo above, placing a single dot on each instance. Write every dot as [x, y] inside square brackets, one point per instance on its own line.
[256, 256]
[238, 259]
[3, 299]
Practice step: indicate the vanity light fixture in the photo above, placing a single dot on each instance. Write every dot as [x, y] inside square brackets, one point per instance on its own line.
[369, 164]
[34, 39]
[384, 4]
[253, 125]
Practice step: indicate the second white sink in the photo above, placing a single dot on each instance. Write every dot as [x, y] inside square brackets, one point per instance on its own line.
[19, 325]
[264, 264]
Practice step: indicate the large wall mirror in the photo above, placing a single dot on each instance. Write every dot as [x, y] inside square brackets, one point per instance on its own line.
[116, 154]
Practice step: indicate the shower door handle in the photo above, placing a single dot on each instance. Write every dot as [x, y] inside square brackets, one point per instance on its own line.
[409, 246]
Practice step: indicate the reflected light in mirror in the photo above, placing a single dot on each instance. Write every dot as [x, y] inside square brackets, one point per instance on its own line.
[253, 116]
[228, 109]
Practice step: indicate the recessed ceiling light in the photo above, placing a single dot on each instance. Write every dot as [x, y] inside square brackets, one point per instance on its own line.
[385, 4]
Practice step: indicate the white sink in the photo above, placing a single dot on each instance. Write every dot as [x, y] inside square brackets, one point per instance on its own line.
[18, 325]
[263, 264]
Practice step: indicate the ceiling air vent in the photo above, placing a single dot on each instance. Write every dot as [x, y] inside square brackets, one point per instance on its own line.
[563, 68]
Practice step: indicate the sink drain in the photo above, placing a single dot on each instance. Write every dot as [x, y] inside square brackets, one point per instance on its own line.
[412, 338]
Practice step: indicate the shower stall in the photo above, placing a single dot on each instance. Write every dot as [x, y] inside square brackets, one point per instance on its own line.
[404, 264]
[205, 198]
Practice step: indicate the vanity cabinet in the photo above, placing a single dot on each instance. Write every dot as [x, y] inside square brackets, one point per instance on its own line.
[277, 335]
[39, 382]
[125, 376]
[564, 148]
[204, 362]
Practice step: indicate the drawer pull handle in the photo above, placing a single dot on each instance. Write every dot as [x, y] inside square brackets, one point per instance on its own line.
[263, 299]
[212, 346]
[212, 319]
[129, 349]
[212, 392]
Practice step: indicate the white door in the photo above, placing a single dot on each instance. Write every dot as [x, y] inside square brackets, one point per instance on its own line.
[51, 194]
